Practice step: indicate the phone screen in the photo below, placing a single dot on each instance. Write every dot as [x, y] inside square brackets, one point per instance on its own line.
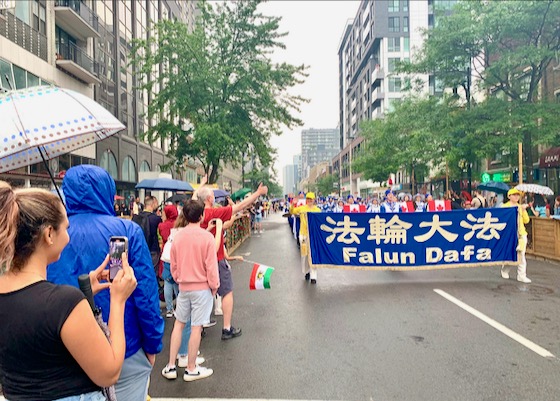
[117, 246]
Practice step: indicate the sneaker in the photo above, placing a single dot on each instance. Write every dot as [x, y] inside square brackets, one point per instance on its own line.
[260, 232]
[523, 279]
[182, 360]
[504, 274]
[313, 281]
[211, 324]
[169, 314]
[307, 276]
[200, 373]
[169, 373]
[231, 333]
[218, 312]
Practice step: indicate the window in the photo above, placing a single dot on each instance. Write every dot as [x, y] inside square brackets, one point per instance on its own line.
[109, 163]
[39, 17]
[406, 44]
[145, 166]
[394, 44]
[394, 84]
[405, 6]
[128, 172]
[405, 24]
[394, 6]
[394, 24]
[392, 64]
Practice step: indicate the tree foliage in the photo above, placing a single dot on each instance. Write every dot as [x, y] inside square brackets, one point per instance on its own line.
[325, 184]
[501, 50]
[264, 176]
[218, 93]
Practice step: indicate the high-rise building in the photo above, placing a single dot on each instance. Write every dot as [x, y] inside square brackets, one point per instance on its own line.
[84, 45]
[318, 145]
[382, 33]
[289, 174]
[297, 163]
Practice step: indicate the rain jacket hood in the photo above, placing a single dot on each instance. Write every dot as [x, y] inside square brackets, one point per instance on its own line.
[89, 189]
[89, 192]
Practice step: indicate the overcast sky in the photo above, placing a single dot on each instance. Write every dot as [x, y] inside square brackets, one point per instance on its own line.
[315, 29]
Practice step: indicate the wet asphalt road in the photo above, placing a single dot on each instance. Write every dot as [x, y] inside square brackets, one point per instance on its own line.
[360, 335]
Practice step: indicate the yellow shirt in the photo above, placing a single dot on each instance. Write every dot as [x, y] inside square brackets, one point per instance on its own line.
[522, 218]
[304, 209]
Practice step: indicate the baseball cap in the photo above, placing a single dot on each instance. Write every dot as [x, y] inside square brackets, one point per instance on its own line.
[513, 191]
[310, 195]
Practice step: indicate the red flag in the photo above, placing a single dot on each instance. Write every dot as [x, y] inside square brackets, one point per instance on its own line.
[439, 205]
[354, 208]
[407, 207]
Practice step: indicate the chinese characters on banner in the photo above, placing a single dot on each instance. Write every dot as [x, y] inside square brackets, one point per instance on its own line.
[413, 241]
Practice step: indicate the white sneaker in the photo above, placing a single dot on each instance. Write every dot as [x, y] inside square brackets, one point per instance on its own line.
[169, 373]
[182, 360]
[200, 373]
[218, 312]
[504, 274]
[523, 279]
[260, 232]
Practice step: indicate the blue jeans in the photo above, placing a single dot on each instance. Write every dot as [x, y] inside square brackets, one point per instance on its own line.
[95, 396]
[169, 289]
[133, 381]
[184, 348]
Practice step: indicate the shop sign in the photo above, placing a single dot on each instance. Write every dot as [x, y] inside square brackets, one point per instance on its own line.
[485, 177]
[503, 176]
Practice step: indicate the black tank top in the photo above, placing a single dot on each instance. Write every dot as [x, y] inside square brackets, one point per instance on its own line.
[34, 363]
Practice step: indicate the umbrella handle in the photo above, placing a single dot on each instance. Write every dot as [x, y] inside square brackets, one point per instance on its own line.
[85, 285]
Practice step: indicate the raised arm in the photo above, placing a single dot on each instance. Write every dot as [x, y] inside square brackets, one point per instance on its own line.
[203, 182]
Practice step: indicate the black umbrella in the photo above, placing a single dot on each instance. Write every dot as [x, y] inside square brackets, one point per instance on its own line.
[179, 198]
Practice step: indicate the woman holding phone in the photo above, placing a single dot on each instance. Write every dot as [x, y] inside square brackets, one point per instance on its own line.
[51, 347]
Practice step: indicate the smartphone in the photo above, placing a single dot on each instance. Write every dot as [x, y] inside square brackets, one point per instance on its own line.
[117, 246]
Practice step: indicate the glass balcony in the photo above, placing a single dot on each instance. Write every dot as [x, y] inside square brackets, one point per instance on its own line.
[77, 19]
[74, 60]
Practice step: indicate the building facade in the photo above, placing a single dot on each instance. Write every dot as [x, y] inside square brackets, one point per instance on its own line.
[382, 33]
[290, 183]
[318, 145]
[84, 45]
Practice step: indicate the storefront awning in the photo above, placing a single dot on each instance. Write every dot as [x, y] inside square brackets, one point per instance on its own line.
[550, 158]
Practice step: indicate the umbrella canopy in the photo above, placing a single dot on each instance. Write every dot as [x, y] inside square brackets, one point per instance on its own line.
[43, 122]
[240, 193]
[179, 198]
[535, 189]
[164, 184]
[494, 186]
[220, 193]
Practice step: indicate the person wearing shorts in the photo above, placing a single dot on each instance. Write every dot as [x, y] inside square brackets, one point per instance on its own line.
[194, 266]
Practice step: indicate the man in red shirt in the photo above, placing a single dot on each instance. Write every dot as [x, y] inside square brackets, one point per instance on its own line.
[224, 213]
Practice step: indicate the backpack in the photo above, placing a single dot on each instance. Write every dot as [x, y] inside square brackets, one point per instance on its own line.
[142, 219]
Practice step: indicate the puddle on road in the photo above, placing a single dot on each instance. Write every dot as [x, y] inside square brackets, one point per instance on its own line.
[519, 287]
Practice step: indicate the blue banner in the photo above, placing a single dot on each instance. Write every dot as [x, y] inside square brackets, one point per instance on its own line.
[413, 241]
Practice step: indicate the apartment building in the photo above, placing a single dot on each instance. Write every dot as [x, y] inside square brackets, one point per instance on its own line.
[382, 33]
[318, 145]
[84, 45]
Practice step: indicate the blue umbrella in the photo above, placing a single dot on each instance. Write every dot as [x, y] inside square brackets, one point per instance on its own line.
[164, 184]
[494, 186]
[220, 193]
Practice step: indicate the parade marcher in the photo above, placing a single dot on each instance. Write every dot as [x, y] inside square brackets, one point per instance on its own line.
[390, 205]
[374, 206]
[522, 218]
[339, 208]
[419, 204]
[51, 346]
[309, 207]
[89, 192]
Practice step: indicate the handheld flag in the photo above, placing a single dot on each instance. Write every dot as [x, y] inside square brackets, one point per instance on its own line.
[260, 277]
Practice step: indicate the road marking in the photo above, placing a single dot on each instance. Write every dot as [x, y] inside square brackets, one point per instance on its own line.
[498, 326]
[205, 399]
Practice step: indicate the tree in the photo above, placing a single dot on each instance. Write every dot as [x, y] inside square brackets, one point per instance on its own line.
[410, 137]
[263, 175]
[505, 47]
[325, 184]
[217, 92]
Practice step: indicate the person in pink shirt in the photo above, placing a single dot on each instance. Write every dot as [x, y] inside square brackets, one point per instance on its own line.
[194, 266]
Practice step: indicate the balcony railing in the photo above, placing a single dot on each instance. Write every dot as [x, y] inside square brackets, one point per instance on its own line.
[82, 10]
[23, 35]
[72, 52]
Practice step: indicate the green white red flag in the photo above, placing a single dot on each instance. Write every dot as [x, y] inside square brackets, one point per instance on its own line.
[260, 277]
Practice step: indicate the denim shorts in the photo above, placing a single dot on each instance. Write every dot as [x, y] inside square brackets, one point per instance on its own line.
[95, 396]
[195, 306]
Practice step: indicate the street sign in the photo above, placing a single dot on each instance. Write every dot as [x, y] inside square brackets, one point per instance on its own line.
[6, 4]
[335, 184]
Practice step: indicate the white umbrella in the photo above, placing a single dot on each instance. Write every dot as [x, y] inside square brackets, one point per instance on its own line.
[535, 189]
[43, 122]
